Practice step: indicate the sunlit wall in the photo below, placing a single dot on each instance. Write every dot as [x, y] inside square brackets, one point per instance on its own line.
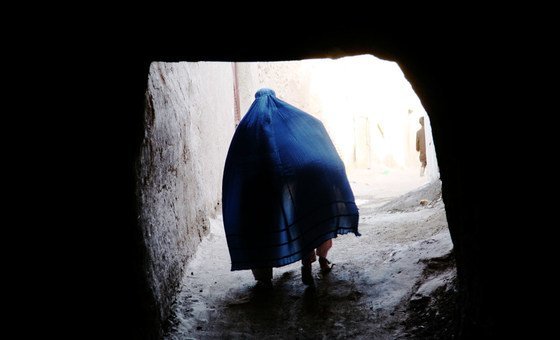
[366, 104]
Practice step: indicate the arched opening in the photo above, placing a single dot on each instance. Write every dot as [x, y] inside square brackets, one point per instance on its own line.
[191, 115]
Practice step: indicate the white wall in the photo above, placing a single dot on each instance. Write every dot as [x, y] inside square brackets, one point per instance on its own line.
[289, 79]
[189, 124]
[432, 168]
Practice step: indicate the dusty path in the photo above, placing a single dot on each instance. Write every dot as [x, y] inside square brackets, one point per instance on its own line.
[365, 296]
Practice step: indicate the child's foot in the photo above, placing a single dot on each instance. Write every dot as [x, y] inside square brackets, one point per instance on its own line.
[326, 265]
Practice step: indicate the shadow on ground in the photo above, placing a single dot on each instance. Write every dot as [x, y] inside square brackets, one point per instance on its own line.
[333, 307]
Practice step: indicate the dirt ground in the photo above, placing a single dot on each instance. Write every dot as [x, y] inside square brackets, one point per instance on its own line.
[396, 281]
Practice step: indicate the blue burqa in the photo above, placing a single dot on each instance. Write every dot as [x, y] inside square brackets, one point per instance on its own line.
[285, 189]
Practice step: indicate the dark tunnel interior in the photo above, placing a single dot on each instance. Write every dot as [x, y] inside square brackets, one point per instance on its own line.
[458, 81]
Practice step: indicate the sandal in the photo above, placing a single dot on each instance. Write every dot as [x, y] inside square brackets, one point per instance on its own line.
[326, 265]
[263, 285]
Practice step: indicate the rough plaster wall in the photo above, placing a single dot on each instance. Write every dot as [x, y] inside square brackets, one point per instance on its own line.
[289, 79]
[432, 167]
[189, 124]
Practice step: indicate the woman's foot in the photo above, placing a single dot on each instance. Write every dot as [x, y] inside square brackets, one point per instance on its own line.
[306, 276]
[263, 285]
[326, 265]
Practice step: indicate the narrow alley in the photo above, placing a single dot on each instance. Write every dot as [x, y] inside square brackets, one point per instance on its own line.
[400, 262]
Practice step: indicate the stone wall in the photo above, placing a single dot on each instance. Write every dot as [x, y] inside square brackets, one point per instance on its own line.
[189, 123]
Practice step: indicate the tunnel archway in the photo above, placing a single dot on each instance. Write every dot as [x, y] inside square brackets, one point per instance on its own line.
[177, 149]
[446, 77]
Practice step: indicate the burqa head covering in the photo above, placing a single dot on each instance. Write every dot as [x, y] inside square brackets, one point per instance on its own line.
[285, 189]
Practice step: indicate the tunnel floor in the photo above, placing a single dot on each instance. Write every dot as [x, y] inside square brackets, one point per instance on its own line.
[381, 286]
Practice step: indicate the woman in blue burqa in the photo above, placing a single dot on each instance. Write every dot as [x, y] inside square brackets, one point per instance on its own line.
[285, 191]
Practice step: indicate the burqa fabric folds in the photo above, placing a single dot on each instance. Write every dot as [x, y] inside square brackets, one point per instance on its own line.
[285, 189]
